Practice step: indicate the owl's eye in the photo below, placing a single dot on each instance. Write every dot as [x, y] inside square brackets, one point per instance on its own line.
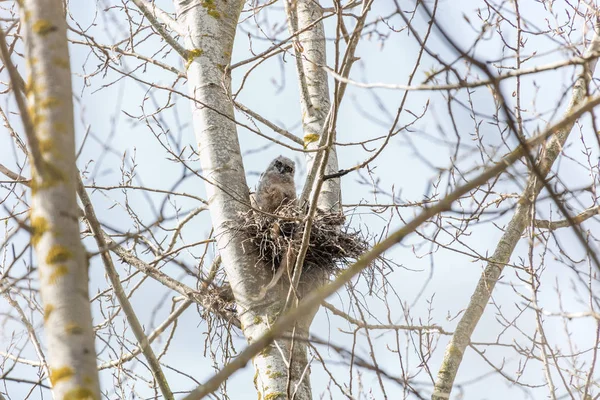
[287, 169]
[278, 164]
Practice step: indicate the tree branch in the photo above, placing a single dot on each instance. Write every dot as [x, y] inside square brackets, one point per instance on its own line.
[134, 323]
[577, 219]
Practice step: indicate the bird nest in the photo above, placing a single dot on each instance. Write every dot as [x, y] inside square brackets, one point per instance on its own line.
[331, 248]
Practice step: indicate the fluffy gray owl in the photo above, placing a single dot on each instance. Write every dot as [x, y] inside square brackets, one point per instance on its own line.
[276, 185]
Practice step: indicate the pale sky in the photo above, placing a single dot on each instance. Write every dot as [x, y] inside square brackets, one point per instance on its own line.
[453, 275]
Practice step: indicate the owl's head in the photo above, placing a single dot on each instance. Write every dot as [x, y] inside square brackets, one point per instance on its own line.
[282, 165]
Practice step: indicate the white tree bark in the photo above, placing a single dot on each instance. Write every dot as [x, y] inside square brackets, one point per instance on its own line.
[63, 264]
[311, 57]
[512, 234]
[209, 32]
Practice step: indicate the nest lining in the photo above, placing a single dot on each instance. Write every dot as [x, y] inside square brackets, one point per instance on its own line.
[331, 248]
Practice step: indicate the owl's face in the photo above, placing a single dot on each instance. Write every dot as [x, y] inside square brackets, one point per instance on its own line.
[280, 170]
[283, 165]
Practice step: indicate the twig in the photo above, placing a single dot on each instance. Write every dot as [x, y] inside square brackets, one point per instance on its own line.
[15, 78]
[150, 16]
[578, 219]
[136, 327]
[151, 337]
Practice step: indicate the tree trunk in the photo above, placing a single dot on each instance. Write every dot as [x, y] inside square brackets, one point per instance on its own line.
[210, 29]
[311, 57]
[63, 264]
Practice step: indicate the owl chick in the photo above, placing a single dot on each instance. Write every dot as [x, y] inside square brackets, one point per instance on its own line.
[276, 185]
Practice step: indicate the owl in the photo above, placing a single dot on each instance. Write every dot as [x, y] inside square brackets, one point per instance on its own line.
[276, 185]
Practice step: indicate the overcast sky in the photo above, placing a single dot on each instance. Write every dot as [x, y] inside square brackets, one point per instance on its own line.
[272, 90]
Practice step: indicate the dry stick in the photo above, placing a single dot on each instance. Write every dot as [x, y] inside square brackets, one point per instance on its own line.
[579, 60]
[161, 30]
[31, 331]
[393, 129]
[281, 46]
[21, 360]
[151, 337]
[106, 49]
[462, 336]
[12, 132]
[316, 297]
[32, 139]
[578, 219]
[202, 298]
[159, 13]
[362, 325]
[268, 123]
[111, 271]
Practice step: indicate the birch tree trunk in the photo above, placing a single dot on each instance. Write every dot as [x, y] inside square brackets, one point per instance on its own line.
[311, 57]
[210, 29]
[63, 264]
[462, 336]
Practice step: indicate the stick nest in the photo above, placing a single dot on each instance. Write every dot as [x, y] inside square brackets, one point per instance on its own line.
[332, 246]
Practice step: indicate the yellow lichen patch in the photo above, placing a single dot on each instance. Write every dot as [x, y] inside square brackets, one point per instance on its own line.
[59, 127]
[211, 8]
[79, 393]
[454, 351]
[310, 138]
[274, 375]
[72, 328]
[48, 308]
[265, 352]
[46, 145]
[58, 254]
[48, 102]
[255, 380]
[39, 226]
[61, 62]
[192, 55]
[57, 272]
[195, 53]
[214, 14]
[52, 176]
[43, 27]
[274, 395]
[59, 374]
[36, 117]
[29, 85]
[31, 88]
